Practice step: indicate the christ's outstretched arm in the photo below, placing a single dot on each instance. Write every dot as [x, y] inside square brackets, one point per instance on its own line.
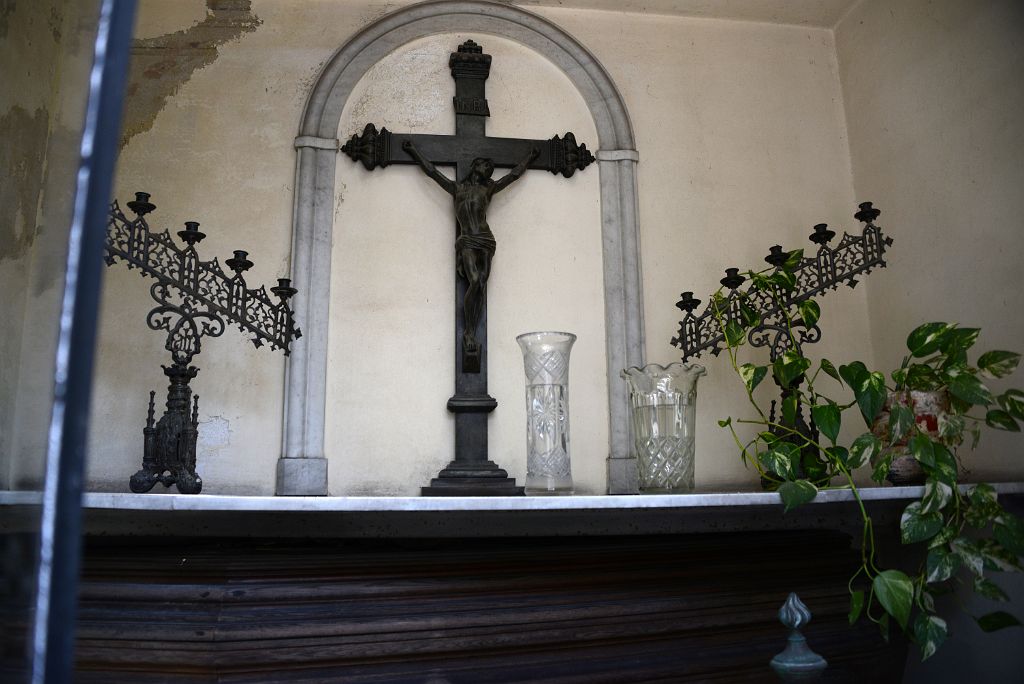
[431, 170]
[516, 173]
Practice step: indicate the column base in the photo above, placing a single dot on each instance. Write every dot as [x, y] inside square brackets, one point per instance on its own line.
[623, 477]
[302, 477]
[479, 478]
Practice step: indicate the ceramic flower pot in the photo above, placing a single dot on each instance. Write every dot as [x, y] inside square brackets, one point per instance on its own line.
[928, 407]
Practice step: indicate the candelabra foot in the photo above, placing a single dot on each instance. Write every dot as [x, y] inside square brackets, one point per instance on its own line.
[189, 483]
[147, 478]
[144, 480]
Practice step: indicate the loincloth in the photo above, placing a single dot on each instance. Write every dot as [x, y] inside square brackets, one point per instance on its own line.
[484, 242]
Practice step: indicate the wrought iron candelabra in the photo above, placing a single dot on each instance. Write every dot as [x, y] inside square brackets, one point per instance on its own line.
[195, 299]
[814, 275]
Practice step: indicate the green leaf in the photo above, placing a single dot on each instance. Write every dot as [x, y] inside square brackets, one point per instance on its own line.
[725, 423]
[923, 450]
[970, 555]
[784, 280]
[779, 459]
[789, 367]
[827, 366]
[750, 317]
[958, 341]
[734, 334]
[927, 338]
[870, 394]
[984, 506]
[1009, 532]
[828, 419]
[969, 388]
[940, 540]
[854, 373]
[975, 431]
[998, 364]
[856, 605]
[1001, 420]
[937, 496]
[760, 282]
[996, 621]
[998, 558]
[810, 312]
[752, 375]
[839, 454]
[941, 565]
[951, 425]
[789, 410]
[1012, 401]
[881, 468]
[989, 590]
[815, 468]
[929, 633]
[901, 419]
[883, 626]
[921, 377]
[863, 449]
[797, 493]
[945, 465]
[925, 599]
[984, 495]
[793, 260]
[899, 376]
[916, 526]
[895, 592]
[956, 404]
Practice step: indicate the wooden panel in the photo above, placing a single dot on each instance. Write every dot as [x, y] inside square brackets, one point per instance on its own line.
[660, 608]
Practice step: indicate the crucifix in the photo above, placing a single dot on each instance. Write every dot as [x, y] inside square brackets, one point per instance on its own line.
[474, 156]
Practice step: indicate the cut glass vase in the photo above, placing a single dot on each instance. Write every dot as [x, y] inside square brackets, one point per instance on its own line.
[662, 411]
[546, 362]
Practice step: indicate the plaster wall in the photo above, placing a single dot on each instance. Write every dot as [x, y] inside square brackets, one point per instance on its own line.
[45, 54]
[936, 138]
[741, 137]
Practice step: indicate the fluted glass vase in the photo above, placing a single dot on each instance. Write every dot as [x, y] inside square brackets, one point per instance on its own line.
[662, 409]
[546, 362]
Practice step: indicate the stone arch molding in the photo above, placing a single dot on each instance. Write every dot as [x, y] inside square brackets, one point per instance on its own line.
[302, 468]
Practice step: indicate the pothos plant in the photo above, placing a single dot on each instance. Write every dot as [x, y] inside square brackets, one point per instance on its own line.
[957, 527]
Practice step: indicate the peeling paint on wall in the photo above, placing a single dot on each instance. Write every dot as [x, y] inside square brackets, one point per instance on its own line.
[214, 435]
[161, 65]
[22, 158]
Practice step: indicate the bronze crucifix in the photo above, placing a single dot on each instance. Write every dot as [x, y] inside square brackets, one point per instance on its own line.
[474, 156]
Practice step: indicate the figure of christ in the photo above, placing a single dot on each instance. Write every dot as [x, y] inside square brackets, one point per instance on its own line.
[475, 245]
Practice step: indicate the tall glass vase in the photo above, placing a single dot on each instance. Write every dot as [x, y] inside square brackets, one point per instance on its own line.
[663, 408]
[546, 361]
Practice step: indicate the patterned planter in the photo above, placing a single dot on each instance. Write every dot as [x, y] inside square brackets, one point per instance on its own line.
[927, 406]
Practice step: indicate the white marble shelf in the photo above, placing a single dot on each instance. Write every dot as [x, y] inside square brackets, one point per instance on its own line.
[158, 514]
[218, 502]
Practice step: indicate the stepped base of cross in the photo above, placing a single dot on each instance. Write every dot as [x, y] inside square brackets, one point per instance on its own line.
[475, 478]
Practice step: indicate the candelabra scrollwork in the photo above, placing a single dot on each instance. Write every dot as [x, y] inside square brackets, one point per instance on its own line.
[764, 311]
[195, 299]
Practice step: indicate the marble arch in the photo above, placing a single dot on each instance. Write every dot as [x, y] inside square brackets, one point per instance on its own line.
[302, 468]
